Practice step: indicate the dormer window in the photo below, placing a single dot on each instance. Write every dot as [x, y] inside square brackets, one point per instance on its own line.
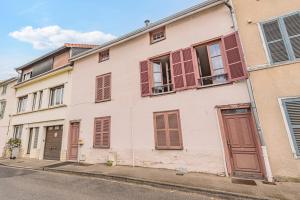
[27, 76]
[104, 55]
[158, 35]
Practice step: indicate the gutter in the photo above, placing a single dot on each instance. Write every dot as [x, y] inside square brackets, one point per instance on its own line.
[185, 13]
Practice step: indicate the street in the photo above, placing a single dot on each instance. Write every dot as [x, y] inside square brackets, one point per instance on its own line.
[20, 184]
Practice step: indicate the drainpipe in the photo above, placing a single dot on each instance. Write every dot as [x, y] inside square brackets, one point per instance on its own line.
[269, 175]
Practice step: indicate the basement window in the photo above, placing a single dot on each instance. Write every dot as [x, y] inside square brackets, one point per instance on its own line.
[211, 64]
[104, 55]
[158, 35]
[162, 81]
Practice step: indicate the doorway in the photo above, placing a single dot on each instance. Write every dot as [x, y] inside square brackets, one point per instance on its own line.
[53, 143]
[73, 141]
[241, 143]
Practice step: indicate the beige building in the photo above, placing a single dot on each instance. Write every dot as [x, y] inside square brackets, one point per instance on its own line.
[172, 94]
[43, 95]
[270, 34]
[7, 105]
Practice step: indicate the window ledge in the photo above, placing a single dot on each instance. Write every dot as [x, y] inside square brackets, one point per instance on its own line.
[107, 100]
[169, 149]
[40, 110]
[271, 65]
[160, 94]
[156, 41]
[213, 85]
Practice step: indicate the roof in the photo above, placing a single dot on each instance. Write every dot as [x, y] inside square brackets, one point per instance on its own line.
[152, 26]
[8, 81]
[65, 46]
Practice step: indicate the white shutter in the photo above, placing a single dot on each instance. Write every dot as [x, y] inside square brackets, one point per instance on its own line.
[292, 111]
[274, 40]
[292, 25]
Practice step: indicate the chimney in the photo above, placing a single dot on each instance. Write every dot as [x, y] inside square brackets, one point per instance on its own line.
[147, 22]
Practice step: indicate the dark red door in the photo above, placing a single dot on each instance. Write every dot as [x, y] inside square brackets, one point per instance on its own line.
[73, 141]
[242, 143]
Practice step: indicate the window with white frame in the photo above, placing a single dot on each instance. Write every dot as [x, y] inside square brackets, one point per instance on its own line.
[291, 108]
[282, 38]
[40, 99]
[4, 88]
[34, 98]
[56, 96]
[22, 104]
[27, 76]
[2, 108]
[17, 131]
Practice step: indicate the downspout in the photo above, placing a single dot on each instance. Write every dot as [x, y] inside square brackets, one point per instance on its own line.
[269, 175]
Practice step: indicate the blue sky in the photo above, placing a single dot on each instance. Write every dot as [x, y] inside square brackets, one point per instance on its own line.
[33, 27]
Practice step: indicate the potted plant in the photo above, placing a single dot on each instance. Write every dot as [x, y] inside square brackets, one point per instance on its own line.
[14, 145]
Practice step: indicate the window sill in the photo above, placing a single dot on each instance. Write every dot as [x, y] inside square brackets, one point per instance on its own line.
[271, 65]
[212, 85]
[154, 42]
[169, 148]
[107, 100]
[101, 147]
[160, 94]
[40, 110]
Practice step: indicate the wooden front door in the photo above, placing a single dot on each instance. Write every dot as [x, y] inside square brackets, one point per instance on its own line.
[73, 141]
[53, 143]
[242, 143]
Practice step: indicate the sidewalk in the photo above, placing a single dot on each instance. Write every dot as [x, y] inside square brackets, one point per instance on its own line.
[195, 182]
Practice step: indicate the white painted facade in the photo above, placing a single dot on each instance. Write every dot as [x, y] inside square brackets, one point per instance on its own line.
[9, 98]
[132, 130]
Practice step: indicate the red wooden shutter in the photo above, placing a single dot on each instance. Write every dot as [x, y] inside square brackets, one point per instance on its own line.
[145, 78]
[160, 131]
[103, 88]
[189, 68]
[107, 87]
[102, 132]
[98, 133]
[174, 130]
[234, 57]
[99, 88]
[177, 70]
[167, 130]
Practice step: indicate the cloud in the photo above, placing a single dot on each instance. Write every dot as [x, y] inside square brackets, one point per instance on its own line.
[51, 37]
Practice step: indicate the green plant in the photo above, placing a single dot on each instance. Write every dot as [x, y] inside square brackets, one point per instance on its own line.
[109, 163]
[14, 143]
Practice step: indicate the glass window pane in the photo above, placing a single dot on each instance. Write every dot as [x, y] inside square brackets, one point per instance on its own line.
[217, 63]
[214, 50]
[156, 67]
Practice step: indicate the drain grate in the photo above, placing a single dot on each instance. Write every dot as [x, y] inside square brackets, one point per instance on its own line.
[243, 181]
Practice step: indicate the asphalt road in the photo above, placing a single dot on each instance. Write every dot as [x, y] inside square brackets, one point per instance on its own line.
[19, 184]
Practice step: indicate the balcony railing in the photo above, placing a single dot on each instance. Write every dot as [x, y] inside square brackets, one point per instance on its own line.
[162, 89]
[213, 80]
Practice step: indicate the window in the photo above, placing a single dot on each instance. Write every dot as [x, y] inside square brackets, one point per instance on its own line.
[36, 137]
[17, 131]
[167, 131]
[292, 113]
[22, 104]
[2, 108]
[4, 88]
[40, 99]
[57, 96]
[103, 88]
[282, 37]
[157, 35]
[102, 132]
[104, 55]
[34, 101]
[162, 80]
[27, 76]
[211, 64]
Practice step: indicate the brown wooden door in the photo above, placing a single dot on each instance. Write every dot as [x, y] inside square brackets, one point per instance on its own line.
[53, 143]
[73, 141]
[242, 143]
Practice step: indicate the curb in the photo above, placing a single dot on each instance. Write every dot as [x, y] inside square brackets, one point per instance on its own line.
[158, 184]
